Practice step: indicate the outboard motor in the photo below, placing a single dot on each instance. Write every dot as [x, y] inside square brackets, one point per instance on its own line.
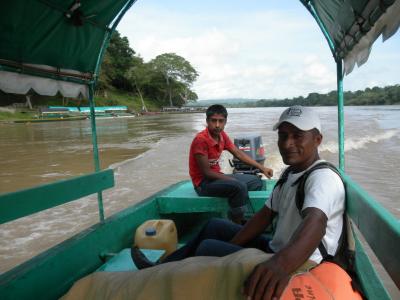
[253, 147]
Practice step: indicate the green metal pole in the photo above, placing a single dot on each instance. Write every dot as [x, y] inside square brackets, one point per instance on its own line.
[95, 148]
[340, 101]
[313, 12]
[106, 40]
[339, 70]
[108, 34]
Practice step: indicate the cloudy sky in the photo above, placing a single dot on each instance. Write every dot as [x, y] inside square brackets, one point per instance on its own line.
[251, 49]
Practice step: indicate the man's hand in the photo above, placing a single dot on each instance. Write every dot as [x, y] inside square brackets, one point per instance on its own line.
[267, 172]
[239, 154]
[267, 281]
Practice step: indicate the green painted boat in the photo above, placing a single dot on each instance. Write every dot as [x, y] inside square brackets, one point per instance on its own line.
[71, 68]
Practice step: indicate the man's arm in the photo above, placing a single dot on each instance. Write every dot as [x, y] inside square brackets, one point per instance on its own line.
[269, 279]
[239, 154]
[202, 162]
[254, 227]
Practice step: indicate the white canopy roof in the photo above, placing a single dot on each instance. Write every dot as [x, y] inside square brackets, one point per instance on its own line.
[387, 25]
[17, 83]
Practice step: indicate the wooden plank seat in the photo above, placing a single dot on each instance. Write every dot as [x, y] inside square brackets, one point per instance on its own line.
[29, 201]
[180, 199]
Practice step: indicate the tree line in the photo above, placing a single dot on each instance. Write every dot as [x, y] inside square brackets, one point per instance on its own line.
[166, 80]
[370, 96]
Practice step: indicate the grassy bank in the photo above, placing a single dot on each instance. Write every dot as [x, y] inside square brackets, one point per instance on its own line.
[9, 116]
[116, 97]
[111, 98]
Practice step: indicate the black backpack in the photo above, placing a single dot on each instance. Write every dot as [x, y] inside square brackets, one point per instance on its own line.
[345, 254]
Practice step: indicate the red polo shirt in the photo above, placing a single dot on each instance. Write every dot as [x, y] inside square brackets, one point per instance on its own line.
[204, 144]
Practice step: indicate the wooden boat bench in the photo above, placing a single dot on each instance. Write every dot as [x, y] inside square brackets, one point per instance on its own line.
[32, 200]
[179, 199]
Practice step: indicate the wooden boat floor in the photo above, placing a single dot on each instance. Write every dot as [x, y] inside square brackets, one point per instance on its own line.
[122, 261]
[179, 200]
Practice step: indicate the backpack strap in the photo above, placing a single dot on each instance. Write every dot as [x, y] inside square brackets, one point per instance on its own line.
[300, 195]
[280, 182]
[301, 181]
[345, 253]
[283, 177]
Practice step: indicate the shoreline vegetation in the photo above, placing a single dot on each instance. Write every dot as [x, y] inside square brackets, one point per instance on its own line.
[389, 95]
[164, 84]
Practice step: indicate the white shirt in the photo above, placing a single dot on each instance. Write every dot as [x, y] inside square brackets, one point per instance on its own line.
[323, 190]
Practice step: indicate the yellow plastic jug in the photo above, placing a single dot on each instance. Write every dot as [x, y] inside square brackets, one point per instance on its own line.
[157, 234]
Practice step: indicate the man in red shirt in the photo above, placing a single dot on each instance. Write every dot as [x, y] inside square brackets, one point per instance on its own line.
[205, 171]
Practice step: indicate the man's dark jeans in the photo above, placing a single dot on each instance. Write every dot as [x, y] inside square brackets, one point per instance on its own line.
[213, 240]
[235, 190]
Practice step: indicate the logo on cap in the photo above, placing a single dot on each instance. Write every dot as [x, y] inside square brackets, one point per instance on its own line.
[294, 112]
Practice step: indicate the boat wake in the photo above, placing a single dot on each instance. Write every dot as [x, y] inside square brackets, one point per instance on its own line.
[355, 143]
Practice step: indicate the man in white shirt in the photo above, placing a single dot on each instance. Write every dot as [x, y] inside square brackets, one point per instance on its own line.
[300, 232]
[296, 238]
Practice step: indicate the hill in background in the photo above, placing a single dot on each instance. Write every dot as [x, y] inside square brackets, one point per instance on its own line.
[370, 96]
[225, 101]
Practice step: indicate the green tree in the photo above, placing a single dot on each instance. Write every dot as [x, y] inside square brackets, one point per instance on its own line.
[175, 69]
[117, 61]
[182, 94]
[139, 75]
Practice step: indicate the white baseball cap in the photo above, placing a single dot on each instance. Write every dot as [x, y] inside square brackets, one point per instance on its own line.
[302, 117]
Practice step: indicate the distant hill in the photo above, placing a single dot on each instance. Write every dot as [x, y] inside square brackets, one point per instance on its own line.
[227, 101]
[387, 95]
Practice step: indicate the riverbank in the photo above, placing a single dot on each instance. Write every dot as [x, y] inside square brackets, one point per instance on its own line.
[34, 117]
[51, 110]
[9, 117]
[15, 107]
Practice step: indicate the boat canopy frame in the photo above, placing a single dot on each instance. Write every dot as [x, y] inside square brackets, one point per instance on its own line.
[361, 23]
[84, 29]
[81, 32]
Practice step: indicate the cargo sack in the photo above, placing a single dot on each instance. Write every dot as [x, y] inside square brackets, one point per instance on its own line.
[206, 277]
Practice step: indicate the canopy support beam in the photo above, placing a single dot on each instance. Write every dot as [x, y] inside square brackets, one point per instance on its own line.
[108, 35]
[95, 148]
[309, 6]
[106, 40]
[340, 101]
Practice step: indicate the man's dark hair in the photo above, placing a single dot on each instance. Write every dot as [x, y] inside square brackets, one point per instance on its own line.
[216, 109]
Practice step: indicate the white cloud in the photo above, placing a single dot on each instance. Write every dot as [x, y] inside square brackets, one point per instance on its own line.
[314, 75]
[241, 53]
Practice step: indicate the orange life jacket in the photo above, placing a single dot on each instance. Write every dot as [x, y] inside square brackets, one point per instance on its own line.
[326, 281]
